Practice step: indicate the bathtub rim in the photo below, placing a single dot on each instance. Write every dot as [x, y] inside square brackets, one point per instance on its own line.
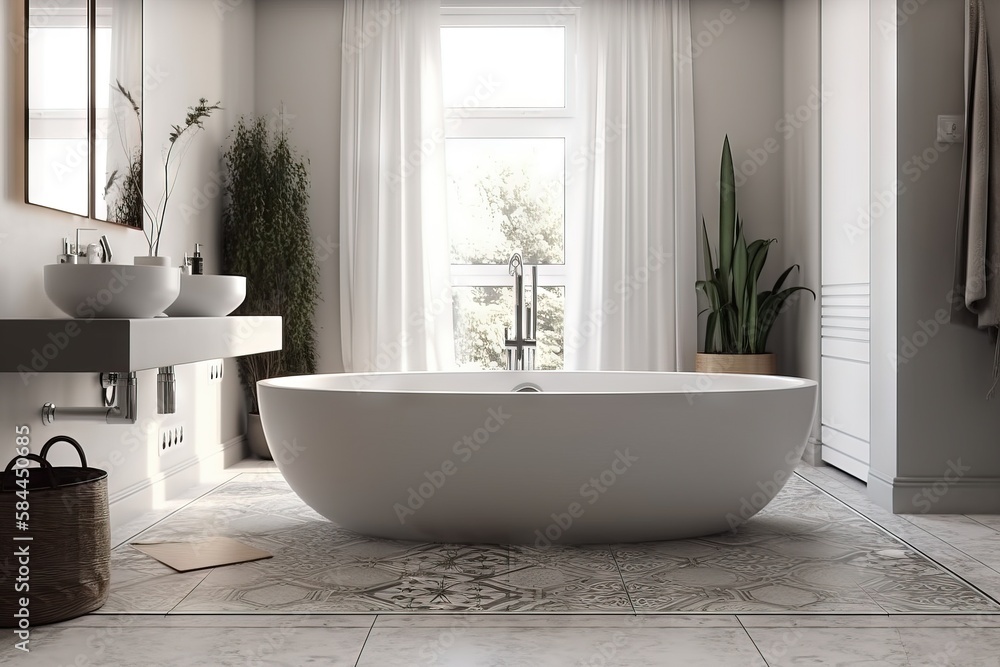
[768, 383]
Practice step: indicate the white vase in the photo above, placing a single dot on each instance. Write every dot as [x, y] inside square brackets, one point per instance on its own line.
[146, 260]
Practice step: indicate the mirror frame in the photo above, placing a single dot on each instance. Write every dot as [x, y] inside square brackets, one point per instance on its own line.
[91, 112]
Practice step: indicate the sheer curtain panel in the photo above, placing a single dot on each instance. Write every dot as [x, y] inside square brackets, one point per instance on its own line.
[635, 308]
[396, 306]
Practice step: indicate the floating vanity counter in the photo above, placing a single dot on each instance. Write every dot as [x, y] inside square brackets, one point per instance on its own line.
[116, 349]
[101, 345]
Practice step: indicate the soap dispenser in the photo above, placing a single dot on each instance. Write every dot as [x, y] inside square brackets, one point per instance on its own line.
[197, 261]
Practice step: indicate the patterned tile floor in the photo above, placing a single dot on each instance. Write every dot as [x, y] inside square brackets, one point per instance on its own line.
[807, 552]
[822, 577]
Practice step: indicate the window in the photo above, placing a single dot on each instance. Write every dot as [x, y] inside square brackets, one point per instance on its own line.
[509, 97]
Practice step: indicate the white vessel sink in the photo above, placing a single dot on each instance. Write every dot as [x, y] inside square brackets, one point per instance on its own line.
[208, 296]
[111, 290]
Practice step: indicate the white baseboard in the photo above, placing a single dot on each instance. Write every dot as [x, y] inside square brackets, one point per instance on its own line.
[952, 494]
[880, 489]
[137, 499]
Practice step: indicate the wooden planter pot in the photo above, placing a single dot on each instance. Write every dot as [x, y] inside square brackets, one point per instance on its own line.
[754, 364]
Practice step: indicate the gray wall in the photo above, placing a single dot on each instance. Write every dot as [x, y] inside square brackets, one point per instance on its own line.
[738, 65]
[943, 414]
[739, 91]
[192, 49]
[298, 66]
[755, 62]
[928, 409]
[801, 232]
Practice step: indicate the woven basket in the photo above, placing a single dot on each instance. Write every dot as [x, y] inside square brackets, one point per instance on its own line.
[69, 553]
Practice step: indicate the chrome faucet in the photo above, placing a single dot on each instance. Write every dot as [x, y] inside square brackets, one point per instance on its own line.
[521, 348]
[95, 253]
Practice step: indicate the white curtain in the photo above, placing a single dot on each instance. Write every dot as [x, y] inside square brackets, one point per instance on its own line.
[636, 308]
[396, 307]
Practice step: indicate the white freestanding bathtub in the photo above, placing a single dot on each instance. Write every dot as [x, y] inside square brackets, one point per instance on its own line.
[592, 457]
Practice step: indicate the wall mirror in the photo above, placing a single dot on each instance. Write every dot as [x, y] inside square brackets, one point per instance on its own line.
[83, 121]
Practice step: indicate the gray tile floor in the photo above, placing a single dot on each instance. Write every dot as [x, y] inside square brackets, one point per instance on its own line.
[821, 577]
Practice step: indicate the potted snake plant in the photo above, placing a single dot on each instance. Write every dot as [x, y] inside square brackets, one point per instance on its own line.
[740, 318]
[268, 239]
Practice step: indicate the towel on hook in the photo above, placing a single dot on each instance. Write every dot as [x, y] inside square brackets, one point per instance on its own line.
[977, 284]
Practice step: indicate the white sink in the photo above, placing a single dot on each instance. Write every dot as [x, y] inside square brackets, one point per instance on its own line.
[111, 290]
[208, 296]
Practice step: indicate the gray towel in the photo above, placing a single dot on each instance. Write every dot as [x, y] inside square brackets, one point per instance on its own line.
[978, 240]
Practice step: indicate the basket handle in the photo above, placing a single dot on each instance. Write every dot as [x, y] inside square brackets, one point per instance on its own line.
[64, 438]
[45, 465]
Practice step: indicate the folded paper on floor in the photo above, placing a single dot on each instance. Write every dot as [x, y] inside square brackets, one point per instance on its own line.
[188, 556]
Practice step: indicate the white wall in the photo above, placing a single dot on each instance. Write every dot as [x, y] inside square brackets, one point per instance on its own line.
[800, 234]
[193, 48]
[298, 64]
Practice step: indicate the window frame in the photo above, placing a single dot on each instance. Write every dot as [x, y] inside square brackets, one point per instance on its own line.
[471, 17]
[525, 122]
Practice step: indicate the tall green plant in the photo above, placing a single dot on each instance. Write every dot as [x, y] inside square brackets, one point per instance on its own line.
[267, 239]
[740, 318]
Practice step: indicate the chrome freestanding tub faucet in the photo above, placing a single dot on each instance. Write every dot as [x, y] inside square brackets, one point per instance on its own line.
[521, 348]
